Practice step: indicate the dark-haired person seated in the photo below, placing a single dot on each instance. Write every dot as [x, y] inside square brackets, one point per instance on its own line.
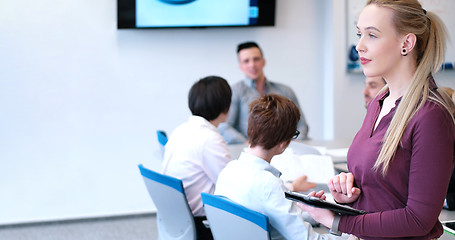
[255, 84]
[196, 152]
[252, 182]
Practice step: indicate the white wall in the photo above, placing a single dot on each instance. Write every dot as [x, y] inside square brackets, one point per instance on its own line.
[80, 101]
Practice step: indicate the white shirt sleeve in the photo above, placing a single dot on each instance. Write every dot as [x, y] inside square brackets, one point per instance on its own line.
[215, 156]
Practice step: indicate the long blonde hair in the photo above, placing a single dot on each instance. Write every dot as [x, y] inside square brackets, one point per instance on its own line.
[410, 17]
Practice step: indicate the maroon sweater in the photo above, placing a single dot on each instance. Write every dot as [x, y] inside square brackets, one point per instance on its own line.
[406, 202]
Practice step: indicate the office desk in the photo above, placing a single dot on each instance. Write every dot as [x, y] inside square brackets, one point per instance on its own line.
[337, 149]
[341, 167]
[329, 144]
[446, 215]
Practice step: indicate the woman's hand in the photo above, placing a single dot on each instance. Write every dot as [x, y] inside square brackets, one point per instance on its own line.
[342, 188]
[301, 184]
[320, 215]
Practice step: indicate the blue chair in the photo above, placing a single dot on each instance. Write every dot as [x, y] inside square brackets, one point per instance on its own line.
[229, 220]
[174, 217]
[162, 137]
[162, 140]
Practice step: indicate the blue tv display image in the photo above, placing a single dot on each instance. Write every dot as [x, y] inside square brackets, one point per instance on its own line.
[194, 13]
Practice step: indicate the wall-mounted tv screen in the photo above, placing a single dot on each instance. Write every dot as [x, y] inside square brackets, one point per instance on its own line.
[194, 13]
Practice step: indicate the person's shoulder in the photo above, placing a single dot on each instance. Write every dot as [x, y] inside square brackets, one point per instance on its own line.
[197, 130]
[209, 132]
[239, 85]
[241, 88]
[181, 129]
[281, 86]
[213, 137]
[433, 114]
[268, 180]
[433, 108]
[235, 168]
[268, 185]
[277, 84]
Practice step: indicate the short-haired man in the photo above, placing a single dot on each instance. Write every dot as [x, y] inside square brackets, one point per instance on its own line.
[255, 84]
[196, 152]
[372, 87]
[252, 182]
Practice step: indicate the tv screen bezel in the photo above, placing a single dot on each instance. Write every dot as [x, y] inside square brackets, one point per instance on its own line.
[126, 16]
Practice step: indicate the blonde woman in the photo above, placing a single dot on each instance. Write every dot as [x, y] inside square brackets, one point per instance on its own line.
[401, 159]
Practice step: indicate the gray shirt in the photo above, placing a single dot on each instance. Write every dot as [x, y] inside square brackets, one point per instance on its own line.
[234, 130]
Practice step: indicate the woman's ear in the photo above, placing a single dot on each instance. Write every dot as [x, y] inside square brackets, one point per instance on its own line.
[408, 43]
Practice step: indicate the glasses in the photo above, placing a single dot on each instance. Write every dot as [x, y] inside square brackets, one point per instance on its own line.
[296, 134]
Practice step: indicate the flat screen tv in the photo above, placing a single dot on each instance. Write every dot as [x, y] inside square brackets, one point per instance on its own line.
[194, 13]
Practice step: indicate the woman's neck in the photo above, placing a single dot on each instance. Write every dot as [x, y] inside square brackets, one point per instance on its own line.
[399, 82]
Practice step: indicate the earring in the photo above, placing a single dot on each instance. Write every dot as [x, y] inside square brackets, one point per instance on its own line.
[404, 52]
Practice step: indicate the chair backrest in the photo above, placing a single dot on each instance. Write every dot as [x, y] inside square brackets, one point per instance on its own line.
[174, 217]
[162, 137]
[229, 220]
[162, 140]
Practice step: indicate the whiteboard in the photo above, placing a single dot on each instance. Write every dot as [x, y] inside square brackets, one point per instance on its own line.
[443, 8]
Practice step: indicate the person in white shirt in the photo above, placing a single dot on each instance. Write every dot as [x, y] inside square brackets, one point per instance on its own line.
[196, 152]
[252, 182]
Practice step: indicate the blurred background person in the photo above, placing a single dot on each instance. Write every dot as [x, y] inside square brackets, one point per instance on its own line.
[255, 84]
[372, 87]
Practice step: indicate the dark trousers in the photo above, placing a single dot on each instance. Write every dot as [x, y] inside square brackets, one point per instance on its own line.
[202, 232]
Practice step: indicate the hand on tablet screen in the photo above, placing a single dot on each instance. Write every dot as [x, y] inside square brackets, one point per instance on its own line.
[317, 200]
[323, 216]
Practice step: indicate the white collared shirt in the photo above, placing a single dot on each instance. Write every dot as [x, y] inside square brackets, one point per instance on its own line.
[255, 184]
[196, 153]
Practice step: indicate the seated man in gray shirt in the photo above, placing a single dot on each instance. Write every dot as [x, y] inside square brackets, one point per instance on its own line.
[252, 62]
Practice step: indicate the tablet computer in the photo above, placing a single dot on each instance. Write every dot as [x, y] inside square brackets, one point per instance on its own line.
[319, 203]
[449, 226]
